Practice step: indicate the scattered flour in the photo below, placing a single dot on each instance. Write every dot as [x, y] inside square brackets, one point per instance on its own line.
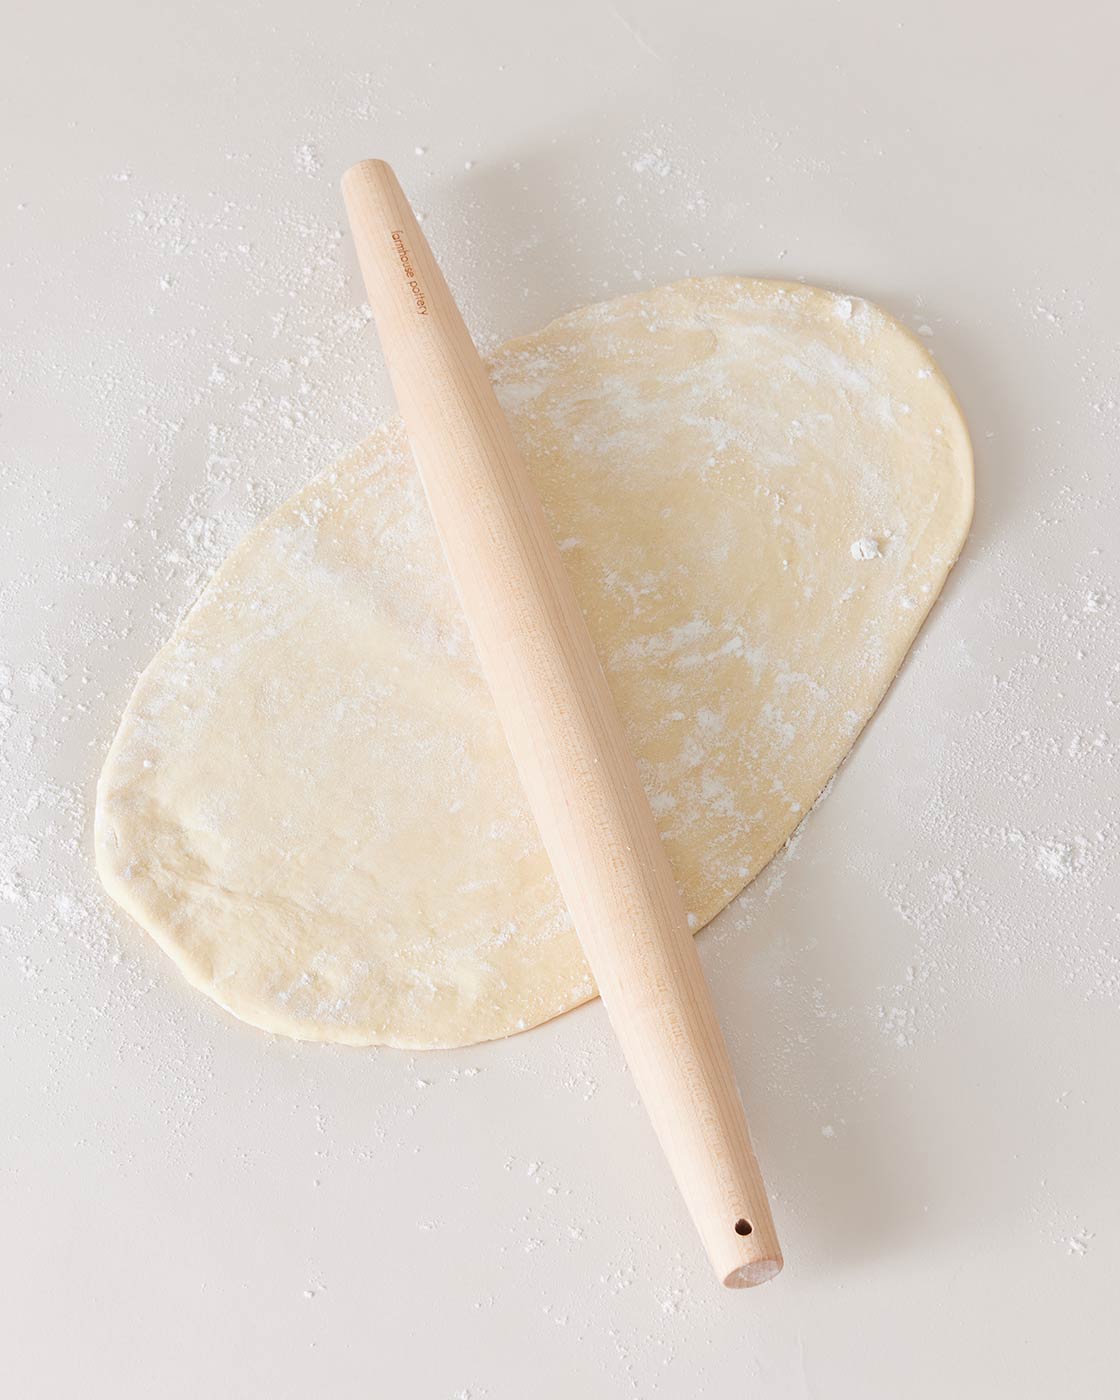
[307, 158]
[1001, 781]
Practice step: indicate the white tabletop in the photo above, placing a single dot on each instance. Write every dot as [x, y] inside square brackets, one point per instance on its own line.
[922, 995]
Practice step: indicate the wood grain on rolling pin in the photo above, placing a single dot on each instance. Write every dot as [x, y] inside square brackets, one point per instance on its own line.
[566, 738]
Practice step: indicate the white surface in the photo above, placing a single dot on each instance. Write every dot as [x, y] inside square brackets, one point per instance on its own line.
[923, 998]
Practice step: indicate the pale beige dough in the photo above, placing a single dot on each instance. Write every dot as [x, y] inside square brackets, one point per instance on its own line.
[758, 488]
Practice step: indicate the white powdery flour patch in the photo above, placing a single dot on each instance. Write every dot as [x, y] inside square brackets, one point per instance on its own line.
[1060, 859]
[308, 159]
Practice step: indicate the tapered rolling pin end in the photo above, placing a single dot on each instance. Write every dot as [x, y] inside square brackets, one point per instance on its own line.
[363, 170]
[750, 1275]
[565, 735]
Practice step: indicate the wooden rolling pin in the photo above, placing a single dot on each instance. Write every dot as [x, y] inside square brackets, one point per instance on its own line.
[565, 735]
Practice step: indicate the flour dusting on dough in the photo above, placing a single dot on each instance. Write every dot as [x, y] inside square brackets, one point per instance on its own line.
[309, 802]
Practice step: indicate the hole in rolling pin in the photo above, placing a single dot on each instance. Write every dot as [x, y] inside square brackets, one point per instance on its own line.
[743, 1227]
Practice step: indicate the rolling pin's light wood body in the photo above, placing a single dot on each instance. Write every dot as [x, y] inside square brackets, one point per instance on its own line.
[565, 735]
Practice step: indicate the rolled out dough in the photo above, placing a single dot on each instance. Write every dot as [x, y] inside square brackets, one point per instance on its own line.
[758, 488]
